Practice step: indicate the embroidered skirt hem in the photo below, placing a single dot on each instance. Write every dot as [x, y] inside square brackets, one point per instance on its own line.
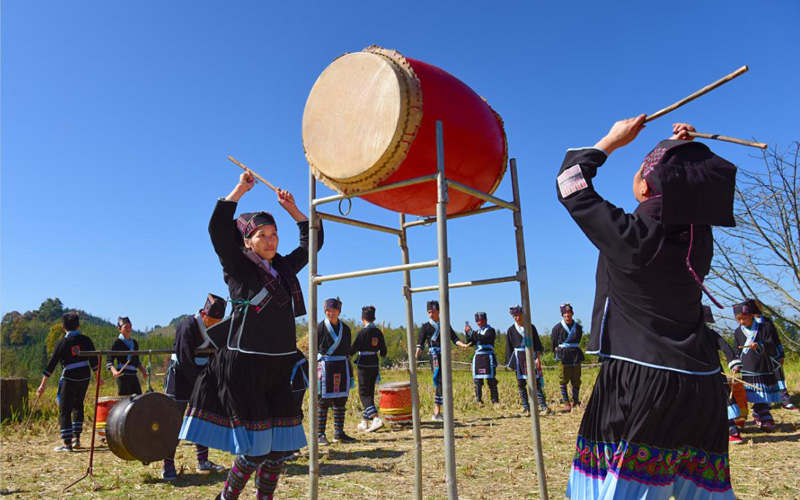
[245, 406]
[652, 434]
[767, 389]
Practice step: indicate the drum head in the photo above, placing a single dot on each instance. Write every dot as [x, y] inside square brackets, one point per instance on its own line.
[395, 386]
[361, 118]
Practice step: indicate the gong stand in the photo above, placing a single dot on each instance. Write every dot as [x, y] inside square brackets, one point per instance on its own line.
[443, 263]
[89, 470]
[100, 354]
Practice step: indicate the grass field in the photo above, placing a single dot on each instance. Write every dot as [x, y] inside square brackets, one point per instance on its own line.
[493, 451]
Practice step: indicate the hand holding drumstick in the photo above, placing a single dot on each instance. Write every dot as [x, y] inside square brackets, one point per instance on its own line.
[286, 200]
[622, 133]
[681, 131]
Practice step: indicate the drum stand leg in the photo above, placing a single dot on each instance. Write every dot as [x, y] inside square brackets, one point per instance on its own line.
[89, 470]
[444, 317]
[522, 276]
[313, 441]
[412, 364]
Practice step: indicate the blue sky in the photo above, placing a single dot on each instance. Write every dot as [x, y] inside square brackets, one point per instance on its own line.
[117, 118]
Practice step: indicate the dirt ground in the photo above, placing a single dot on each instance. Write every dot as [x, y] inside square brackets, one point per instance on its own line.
[493, 452]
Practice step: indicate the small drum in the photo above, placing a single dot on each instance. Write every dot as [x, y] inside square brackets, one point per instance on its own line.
[144, 427]
[395, 402]
[370, 120]
[104, 406]
[740, 396]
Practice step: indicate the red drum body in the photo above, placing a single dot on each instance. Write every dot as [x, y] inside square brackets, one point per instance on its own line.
[104, 406]
[740, 396]
[395, 402]
[370, 120]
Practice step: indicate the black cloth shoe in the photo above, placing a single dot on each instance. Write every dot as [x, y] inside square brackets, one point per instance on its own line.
[343, 438]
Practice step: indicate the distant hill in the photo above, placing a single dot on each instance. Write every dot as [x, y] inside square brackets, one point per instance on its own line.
[169, 330]
[27, 339]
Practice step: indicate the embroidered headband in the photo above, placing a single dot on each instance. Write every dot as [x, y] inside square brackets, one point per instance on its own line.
[249, 222]
[333, 304]
[215, 307]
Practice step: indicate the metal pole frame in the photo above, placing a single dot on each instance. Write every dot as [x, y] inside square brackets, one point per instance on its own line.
[412, 365]
[444, 286]
[444, 318]
[90, 469]
[313, 393]
[526, 308]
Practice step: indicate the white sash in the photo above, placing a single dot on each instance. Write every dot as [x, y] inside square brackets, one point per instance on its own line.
[337, 338]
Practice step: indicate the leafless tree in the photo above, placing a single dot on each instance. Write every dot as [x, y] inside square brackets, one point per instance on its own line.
[760, 257]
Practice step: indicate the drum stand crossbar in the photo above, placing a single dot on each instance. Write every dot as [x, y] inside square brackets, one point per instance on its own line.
[444, 286]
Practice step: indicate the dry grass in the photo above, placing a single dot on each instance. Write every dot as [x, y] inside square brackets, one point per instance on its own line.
[493, 448]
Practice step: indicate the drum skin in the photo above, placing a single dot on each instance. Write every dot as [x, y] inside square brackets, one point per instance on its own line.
[395, 402]
[144, 427]
[475, 148]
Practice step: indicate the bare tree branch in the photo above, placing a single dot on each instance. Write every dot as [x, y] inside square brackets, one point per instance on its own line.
[760, 257]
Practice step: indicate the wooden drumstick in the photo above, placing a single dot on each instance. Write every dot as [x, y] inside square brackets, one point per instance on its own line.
[704, 90]
[741, 382]
[729, 139]
[120, 371]
[30, 413]
[254, 174]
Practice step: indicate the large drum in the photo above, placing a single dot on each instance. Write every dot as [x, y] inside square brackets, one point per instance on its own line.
[740, 396]
[144, 427]
[395, 402]
[370, 120]
[104, 406]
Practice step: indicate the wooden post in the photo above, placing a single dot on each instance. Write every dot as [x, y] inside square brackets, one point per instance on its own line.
[14, 401]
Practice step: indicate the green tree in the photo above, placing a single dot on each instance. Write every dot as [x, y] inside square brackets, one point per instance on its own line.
[53, 336]
[18, 331]
[51, 310]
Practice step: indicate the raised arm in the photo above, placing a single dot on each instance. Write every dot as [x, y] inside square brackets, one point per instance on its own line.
[225, 236]
[627, 239]
[298, 258]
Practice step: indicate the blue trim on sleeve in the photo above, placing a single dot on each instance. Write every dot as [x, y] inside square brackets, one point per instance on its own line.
[588, 147]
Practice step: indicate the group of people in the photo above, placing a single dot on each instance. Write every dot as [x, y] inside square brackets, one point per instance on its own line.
[566, 337]
[654, 426]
